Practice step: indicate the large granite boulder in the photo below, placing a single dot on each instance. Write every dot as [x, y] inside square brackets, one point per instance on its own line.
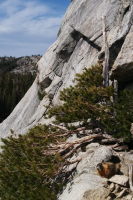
[79, 45]
[86, 177]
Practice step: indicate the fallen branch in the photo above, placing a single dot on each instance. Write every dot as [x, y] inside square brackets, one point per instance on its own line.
[58, 126]
[108, 141]
[69, 154]
[65, 147]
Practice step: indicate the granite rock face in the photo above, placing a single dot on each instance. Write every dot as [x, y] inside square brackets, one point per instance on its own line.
[79, 45]
[86, 177]
[123, 66]
[86, 184]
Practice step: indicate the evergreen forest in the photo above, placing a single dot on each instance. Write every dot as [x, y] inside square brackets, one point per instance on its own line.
[13, 86]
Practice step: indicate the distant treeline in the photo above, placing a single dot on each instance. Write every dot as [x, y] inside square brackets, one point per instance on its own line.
[13, 86]
[7, 63]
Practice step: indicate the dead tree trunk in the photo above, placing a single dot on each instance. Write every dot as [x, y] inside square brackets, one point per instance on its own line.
[106, 60]
[115, 84]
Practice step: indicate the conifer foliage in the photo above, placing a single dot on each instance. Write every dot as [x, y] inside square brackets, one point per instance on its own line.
[88, 99]
[29, 164]
[12, 89]
[25, 172]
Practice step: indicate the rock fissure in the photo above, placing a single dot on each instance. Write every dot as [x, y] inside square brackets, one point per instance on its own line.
[64, 54]
[89, 41]
[115, 50]
[127, 9]
[54, 90]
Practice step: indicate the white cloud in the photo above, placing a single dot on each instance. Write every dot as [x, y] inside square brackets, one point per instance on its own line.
[29, 19]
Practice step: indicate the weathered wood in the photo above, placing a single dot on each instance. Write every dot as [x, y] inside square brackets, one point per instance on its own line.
[107, 141]
[58, 126]
[79, 141]
[115, 84]
[106, 59]
[66, 147]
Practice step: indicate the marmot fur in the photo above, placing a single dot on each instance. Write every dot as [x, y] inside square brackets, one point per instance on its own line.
[108, 169]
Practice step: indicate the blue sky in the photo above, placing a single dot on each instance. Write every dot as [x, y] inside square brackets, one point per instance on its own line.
[29, 27]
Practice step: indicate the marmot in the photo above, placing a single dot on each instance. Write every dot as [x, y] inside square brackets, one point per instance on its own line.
[108, 169]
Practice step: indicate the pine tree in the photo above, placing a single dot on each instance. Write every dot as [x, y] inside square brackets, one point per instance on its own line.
[88, 99]
[26, 173]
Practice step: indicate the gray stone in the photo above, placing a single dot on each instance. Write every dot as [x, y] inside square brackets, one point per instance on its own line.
[129, 197]
[78, 45]
[123, 66]
[112, 187]
[117, 189]
[98, 194]
[86, 177]
[120, 180]
[122, 193]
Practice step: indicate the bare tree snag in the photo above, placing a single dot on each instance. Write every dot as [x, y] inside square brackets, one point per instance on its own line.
[131, 177]
[106, 60]
[115, 83]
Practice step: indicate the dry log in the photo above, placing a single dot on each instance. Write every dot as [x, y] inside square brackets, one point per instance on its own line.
[66, 145]
[67, 149]
[108, 141]
[63, 147]
[70, 153]
[58, 126]
[121, 148]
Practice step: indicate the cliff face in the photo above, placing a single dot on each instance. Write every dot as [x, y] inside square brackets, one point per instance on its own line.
[79, 45]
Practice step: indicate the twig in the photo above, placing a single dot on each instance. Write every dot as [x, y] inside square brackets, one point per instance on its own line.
[60, 127]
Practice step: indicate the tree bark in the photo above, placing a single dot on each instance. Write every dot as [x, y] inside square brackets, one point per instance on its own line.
[115, 99]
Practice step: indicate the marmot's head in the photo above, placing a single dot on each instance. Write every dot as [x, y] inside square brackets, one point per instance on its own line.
[99, 167]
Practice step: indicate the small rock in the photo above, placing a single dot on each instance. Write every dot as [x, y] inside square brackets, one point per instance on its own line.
[97, 194]
[117, 189]
[122, 193]
[129, 197]
[112, 187]
[109, 198]
[124, 169]
[97, 130]
[87, 132]
[121, 148]
[120, 179]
